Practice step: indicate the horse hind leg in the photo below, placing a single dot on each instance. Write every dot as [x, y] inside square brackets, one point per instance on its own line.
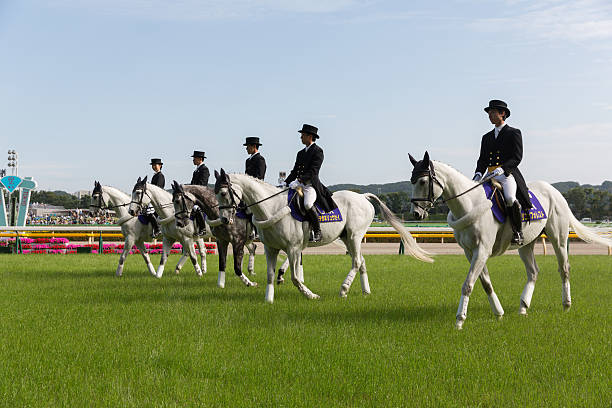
[297, 276]
[558, 240]
[496, 306]
[251, 265]
[181, 263]
[352, 248]
[528, 257]
[126, 250]
[363, 276]
[281, 272]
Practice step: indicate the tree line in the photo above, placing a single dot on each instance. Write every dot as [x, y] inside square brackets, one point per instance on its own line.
[60, 198]
[585, 202]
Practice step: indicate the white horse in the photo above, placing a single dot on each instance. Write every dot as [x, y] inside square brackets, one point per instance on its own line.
[481, 236]
[145, 193]
[135, 232]
[279, 231]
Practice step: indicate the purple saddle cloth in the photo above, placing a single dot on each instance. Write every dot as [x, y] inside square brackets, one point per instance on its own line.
[536, 212]
[143, 219]
[332, 216]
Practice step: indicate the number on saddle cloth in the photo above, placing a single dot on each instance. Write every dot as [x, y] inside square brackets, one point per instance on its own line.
[296, 204]
[499, 205]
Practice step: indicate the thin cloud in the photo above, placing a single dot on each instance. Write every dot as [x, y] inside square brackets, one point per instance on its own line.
[578, 21]
[206, 10]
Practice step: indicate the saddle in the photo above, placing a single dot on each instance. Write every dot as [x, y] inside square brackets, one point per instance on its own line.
[295, 202]
[494, 192]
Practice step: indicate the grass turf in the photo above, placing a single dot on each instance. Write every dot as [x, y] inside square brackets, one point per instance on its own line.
[74, 335]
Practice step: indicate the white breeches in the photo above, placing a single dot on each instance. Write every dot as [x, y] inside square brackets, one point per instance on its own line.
[509, 188]
[310, 195]
[149, 210]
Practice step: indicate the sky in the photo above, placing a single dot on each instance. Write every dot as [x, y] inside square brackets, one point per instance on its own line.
[93, 89]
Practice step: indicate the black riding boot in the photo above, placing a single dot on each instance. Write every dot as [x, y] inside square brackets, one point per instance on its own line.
[156, 230]
[200, 223]
[516, 220]
[313, 219]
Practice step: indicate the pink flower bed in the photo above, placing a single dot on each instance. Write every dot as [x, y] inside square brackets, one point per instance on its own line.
[62, 246]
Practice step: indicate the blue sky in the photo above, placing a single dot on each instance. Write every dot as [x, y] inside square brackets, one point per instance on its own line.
[92, 89]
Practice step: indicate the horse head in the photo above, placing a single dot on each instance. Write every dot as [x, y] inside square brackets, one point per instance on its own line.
[97, 200]
[228, 196]
[427, 188]
[138, 197]
[183, 204]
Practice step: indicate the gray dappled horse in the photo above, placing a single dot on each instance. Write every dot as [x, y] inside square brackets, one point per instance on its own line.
[482, 236]
[184, 197]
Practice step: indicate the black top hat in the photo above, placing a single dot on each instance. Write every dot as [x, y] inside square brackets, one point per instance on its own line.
[252, 141]
[197, 153]
[310, 130]
[156, 161]
[497, 104]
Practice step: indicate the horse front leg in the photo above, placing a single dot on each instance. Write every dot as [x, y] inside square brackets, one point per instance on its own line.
[238, 250]
[222, 248]
[167, 245]
[297, 275]
[202, 249]
[188, 242]
[127, 246]
[251, 265]
[281, 271]
[479, 260]
[271, 255]
[181, 262]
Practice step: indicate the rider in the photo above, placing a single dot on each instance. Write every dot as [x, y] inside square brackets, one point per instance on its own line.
[255, 164]
[200, 178]
[305, 174]
[159, 180]
[501, 151]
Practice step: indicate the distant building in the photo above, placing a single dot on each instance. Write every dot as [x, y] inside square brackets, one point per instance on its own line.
[82, 193]
[47, 209]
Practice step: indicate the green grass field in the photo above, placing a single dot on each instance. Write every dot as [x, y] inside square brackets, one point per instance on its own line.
[74, 335]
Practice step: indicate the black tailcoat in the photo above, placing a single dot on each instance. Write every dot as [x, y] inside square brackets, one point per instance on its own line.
[256, 166]
[306, 170]
[200, 176]
[158, 179]
[506, 151]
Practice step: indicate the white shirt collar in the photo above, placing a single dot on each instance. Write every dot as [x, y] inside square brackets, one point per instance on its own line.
[499, 128]
[251, 156]
[307, 147]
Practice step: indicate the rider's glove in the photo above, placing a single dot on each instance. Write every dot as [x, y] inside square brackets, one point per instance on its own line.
[497, 172]
[477, 176]
[294, 184]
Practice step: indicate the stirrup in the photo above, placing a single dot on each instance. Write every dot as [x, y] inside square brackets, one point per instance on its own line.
[315, 236]
[517, 238]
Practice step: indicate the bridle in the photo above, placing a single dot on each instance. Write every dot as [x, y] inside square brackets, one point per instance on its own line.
[144, 192]
[430, 172]
[101, 205]
[237, 204]
[430, 200]
[183, 210]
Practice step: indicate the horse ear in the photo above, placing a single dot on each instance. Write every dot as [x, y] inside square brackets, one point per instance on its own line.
[217, 174]
[222, 172]
[144, 180]
[412, 160]
[426, 158]
[138, 181]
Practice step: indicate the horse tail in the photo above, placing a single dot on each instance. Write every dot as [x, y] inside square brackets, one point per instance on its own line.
[410, 245]
[587, 234]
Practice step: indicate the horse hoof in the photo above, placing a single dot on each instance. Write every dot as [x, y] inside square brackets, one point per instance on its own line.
[566, 307]
[280, 281]
[523, 311]
[177, 271]
[315, 296]
[459, 324]
[253, 284]
[158, 276]
[365, 292]
[499, 317]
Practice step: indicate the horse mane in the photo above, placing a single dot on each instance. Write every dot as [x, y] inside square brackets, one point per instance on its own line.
[255, 179]
[451, 168]
[110, 188]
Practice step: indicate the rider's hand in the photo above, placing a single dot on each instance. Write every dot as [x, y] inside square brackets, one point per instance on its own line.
[294, 184]
[497, 172]
[477, 176]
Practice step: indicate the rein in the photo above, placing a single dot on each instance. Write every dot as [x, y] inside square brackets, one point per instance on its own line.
[432, 176]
